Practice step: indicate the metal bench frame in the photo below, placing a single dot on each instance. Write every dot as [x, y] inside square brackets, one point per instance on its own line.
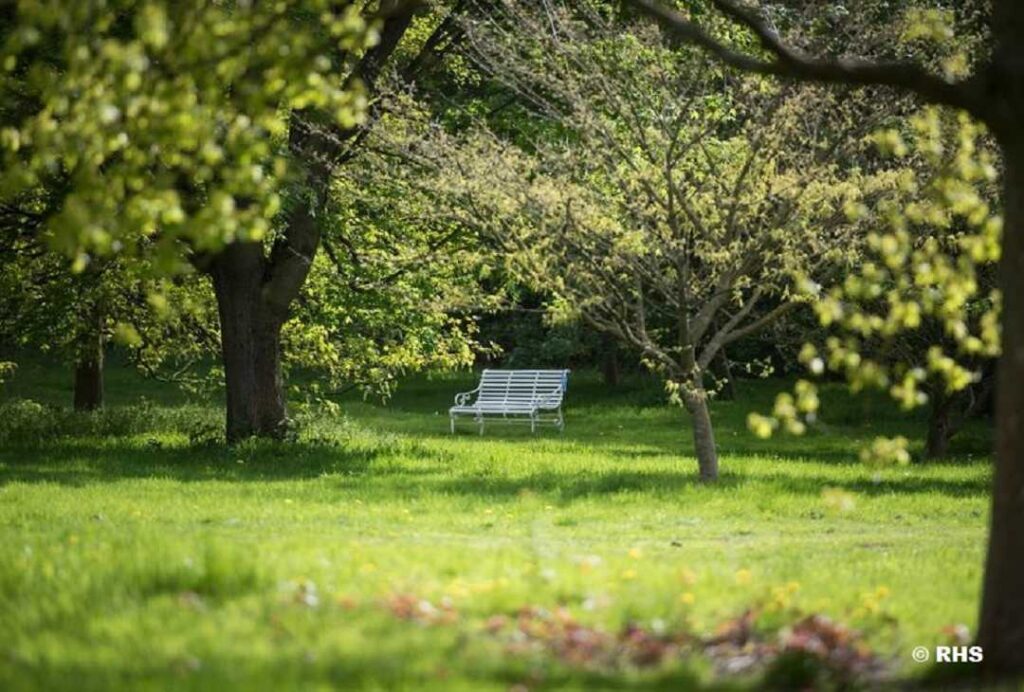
[514, 396]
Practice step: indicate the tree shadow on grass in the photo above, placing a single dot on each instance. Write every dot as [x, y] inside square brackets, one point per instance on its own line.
[80, 462]
[359, 670]
[907, 485]
[81, 465]
[833, 449]
[666, 483]
[569, 488]
[647, 438]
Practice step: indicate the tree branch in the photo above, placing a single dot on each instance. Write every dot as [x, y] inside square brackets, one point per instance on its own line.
[790, 62]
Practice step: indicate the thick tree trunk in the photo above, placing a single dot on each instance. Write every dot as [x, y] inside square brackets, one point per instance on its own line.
[88, 394]
[254, 291]
[696, 403]
[250, 343]
[1001, 627]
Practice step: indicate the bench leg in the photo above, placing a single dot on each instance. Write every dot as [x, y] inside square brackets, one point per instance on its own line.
[452, 419]
[533, 424]
[481, 422]
[561, 421]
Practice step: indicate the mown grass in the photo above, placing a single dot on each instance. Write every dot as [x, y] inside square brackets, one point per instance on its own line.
[136, 552]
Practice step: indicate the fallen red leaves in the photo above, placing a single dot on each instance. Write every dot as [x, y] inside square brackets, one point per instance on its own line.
[409, 607]
[810, 650]
[821, 646]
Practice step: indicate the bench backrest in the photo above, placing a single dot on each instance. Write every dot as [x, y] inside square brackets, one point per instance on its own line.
[522, 386]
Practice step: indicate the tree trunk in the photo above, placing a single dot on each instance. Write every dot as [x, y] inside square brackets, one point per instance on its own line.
[940, 424]
[89, 384]
[949, 412]
[250, 344]
[1001, 626]
[88, 394]
[255, 292]
[610, 362]
[696, 403]
[722, 371]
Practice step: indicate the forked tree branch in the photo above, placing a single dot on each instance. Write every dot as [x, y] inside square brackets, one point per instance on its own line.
[789, 62]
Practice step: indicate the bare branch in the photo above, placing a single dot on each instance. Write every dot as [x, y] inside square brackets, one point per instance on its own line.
[789, 62]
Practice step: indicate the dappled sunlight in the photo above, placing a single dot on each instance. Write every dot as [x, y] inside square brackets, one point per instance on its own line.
[595, 554]
[463, 344]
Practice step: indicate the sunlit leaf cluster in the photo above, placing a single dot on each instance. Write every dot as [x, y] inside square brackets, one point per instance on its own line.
[921, 307]
[160, 123]
[398, 284]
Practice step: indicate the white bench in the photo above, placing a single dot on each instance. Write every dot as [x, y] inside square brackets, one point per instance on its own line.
[514, 396]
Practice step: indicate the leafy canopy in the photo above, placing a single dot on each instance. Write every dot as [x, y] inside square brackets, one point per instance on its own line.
[161, 123]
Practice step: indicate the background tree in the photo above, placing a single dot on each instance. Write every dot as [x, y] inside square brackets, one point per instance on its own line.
[189, 136]
[674, 225]
[991, 90]
[152, 127]
[915, 315]
[167, 326]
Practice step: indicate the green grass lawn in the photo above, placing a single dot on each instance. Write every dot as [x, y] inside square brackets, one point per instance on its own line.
[379, 551]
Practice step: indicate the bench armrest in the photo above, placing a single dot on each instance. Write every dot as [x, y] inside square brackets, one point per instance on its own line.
[462, 398]
[552, 399]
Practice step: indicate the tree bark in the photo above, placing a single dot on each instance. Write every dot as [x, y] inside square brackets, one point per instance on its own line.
[941, 427]
[696, 403]
[88, 394]
[722, 371]
[89, 384]
[610, 362]
[250, 344]
[255, 291]
[1001, 626]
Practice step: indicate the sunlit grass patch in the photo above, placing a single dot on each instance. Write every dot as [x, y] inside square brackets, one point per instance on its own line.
[375, 548]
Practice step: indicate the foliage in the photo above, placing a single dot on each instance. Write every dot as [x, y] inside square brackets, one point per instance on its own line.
[183, 146]
[166, 325]
[524, 336]
[666, 221]
[156, 125]
[6, 370]
[400, 280]
[922, 306]
[30, 423]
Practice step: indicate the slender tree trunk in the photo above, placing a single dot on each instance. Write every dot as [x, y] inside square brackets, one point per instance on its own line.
[1001, 626]
[722, 371]
[940, 424]
[696, 403]
[610, 362]
[250, 344]
[88, 394]
[89, 384]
